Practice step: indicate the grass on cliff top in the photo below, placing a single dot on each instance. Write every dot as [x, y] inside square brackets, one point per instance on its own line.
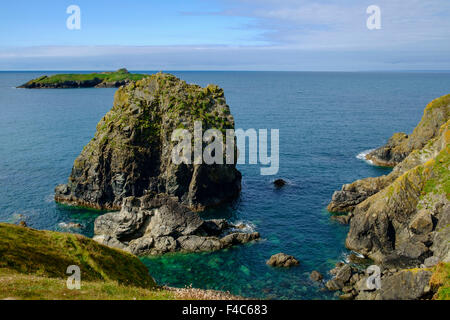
[14, 285]
[48, 254]
[439, 102]
[441, 279]
[119, 75]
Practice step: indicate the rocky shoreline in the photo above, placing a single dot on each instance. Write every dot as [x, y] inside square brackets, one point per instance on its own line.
[156, 225]
[400, 221]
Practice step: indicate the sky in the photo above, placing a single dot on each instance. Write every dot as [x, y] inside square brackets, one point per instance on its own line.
[284, 35]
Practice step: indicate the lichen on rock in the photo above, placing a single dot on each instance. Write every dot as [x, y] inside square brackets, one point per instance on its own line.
[130, 154]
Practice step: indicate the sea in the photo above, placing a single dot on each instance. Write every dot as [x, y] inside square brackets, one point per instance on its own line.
[327, 121]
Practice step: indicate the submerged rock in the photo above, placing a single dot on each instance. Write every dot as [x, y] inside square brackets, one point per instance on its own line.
[282, 260]
[159, 224]
[131, 152]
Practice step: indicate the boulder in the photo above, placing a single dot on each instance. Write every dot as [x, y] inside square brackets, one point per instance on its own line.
[282, 260]
[316, 276]
[152, 225]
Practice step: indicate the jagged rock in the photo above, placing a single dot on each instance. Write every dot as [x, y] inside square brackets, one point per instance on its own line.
[334, 285]
[405, 285]
[282, 260]
[160, 224]
[420, 151]
[394, 225]
[430, 262]
[316, 276]
[401, 145]
[422, 223]
[342, 219]
[401, 220]
[344, 274]
[131, 152]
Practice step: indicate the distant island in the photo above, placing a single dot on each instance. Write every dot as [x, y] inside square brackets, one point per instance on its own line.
[92, 80]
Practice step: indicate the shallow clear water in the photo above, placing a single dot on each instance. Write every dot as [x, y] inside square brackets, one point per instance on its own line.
[325, 121]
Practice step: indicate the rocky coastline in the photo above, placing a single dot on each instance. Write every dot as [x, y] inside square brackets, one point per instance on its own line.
[400, 221]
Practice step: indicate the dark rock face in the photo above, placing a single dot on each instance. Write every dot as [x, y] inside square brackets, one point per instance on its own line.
[131, 152]
[157, 225]
[282, 260]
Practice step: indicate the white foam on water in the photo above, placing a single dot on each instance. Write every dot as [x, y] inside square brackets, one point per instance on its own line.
[362, 156]
[248, 226]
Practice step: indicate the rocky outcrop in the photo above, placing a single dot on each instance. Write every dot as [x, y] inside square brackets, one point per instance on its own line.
[426, 146]
[399, 225]
[407, 284]
[130, 154]
[152, 225]
[400, 145]
[400, 221]
[282, 260]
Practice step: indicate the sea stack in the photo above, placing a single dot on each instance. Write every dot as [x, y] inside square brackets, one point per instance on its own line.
[130, 154]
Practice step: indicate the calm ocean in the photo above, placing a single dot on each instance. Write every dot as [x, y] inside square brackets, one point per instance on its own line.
[325, 121]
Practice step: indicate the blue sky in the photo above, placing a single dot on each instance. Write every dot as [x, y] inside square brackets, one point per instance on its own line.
[225, 35]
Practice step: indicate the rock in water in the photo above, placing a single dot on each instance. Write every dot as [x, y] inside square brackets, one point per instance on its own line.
[279, 183]
[282, 260]
[131, 152]
[157, 225]
[316, 276]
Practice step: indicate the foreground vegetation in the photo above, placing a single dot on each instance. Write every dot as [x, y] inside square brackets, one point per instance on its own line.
[33, 265]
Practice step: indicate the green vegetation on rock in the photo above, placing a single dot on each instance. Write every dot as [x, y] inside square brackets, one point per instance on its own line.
[440, 281]
[76, 80]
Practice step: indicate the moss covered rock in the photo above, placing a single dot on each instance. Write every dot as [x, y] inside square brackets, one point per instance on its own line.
[130, 154]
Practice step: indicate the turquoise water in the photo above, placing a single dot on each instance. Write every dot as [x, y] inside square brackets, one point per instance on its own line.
[325, 121]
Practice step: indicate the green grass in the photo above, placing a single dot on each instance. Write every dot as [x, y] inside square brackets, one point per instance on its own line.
[440, 280]
[48, 254]
[14, 285]
[119, 75]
